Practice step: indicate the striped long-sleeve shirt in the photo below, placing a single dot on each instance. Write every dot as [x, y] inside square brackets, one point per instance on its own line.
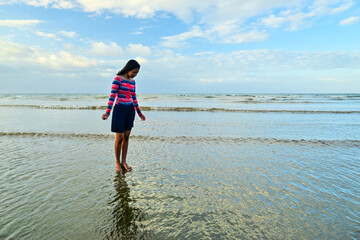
[123, 92]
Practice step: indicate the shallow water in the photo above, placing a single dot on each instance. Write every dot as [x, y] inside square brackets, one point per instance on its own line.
[197, 175]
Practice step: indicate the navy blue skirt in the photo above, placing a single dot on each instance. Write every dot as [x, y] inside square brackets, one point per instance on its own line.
[122, 118]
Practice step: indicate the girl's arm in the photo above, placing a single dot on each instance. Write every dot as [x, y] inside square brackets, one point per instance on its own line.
[114, 89]
[136, 105]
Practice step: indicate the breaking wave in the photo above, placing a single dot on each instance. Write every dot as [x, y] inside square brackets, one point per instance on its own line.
[183, 109]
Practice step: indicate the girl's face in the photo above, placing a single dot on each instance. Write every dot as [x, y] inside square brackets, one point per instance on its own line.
[133, 73]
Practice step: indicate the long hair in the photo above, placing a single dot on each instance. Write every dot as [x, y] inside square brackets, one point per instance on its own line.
[130, 65]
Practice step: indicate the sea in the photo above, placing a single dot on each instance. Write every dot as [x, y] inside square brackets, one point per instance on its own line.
[205, 166]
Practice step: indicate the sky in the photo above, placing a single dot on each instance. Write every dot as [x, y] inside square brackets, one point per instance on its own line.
[183, 46]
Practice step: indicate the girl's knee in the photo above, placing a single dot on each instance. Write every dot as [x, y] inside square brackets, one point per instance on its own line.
[126, 135]
[119, 139]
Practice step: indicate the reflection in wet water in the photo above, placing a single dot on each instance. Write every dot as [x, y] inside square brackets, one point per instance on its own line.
[126, 218]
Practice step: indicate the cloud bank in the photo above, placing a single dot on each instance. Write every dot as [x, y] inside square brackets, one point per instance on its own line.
[231, 22]
[214, 20]
[187, 73]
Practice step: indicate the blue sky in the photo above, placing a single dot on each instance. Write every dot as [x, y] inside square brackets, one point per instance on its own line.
[183, 46]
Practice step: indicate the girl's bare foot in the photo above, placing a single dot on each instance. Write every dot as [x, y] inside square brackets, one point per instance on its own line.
[126, 167]
[118, 168]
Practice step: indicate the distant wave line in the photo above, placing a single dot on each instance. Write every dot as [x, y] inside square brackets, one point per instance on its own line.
[185, 109]
[187, 139]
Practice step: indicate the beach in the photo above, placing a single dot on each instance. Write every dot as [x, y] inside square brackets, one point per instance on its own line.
[205, 166]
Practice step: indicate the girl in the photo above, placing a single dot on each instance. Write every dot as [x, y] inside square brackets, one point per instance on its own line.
[123, 92]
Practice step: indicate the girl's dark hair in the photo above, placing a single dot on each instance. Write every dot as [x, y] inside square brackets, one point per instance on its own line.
[131, 65]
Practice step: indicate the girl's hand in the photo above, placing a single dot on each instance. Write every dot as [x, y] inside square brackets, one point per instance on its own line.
[143, 118]
[105, 116]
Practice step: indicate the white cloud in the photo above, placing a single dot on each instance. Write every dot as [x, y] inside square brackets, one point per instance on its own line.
[227, 33]
[67, 34]
[61, 4]
[19, 23]
[138, 50]
[31, 58]
[114, 50]
[141, 60]
[101, 49]
[139, 31]
[350, 20]
[291, 18]
[10, 50]
[252, 36]
[273, 21]
[139, 8]
[46, 35]
[294, 18]
[176, 41]
[56, 35]
[325, 7]
[63, 60]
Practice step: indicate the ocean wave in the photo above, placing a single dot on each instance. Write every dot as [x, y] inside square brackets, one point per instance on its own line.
[280, 101]
[185, 109]
[60, 107]
[256, 97]
[188, 139]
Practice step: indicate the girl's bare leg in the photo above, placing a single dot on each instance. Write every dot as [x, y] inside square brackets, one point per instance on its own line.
[118, 141]
[124, 147]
